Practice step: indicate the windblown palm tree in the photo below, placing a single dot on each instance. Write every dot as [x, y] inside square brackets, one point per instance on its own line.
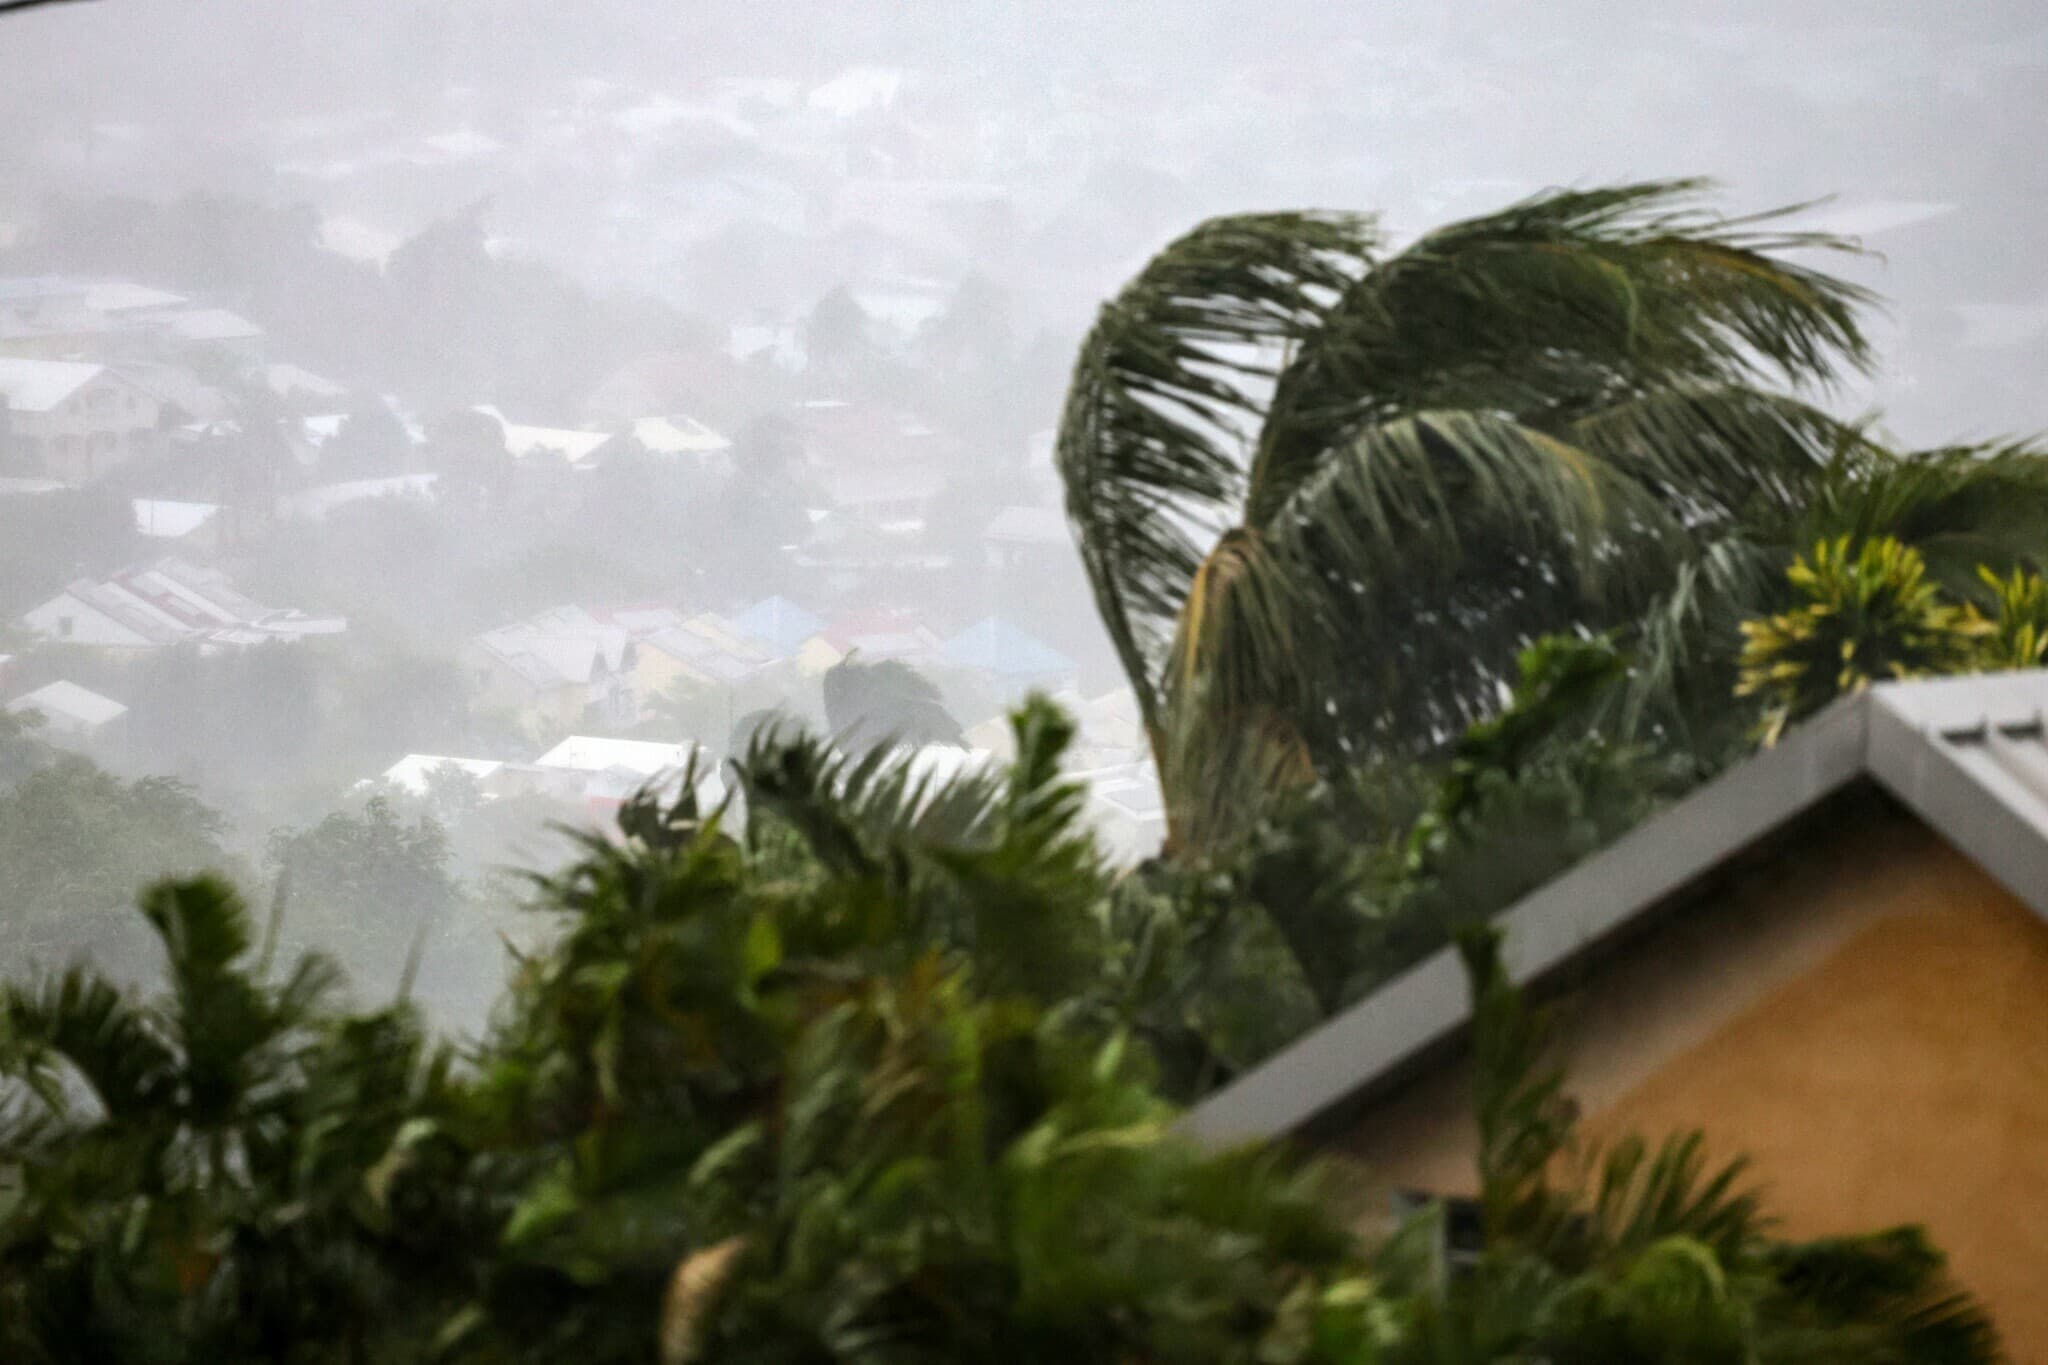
[1405, 466]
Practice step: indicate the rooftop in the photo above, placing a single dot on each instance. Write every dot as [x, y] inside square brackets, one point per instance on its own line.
[995, 646]
[1967, 755]
[71, 702]
[594, 754]
[39, 385]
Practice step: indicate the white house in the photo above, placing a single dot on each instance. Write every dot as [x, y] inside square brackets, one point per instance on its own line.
[558, 669]
[75, 420]
[71, 712]
[169, 602]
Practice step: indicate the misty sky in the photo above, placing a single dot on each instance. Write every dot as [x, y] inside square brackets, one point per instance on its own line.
[1418, 110]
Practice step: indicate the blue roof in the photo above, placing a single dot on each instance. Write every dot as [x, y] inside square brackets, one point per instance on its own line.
[996, 646]
[780, 622]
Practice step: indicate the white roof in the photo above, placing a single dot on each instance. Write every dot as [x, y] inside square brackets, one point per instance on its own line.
[17, 487]
[39, 385]
[69, 700]
[411, 771]
[522, 440]
[942, 763]
[122, 296]
[169, 520]
[678, 436]
[212, 324]
[594, 754]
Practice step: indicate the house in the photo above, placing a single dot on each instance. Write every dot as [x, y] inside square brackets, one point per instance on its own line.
[559, 670]
[524, 442]
[74, 421]
[881, 634]
[706, 650]
[1016, 660]
[169, 602]
[73, 713]
[47, 317]
[413, 774]
[608, 772]
[780, 623]
[1832, 958]
[181, 396]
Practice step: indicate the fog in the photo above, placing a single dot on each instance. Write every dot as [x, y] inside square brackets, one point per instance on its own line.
[558, 387]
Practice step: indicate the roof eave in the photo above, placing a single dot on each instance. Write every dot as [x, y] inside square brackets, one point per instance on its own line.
[1658, 858]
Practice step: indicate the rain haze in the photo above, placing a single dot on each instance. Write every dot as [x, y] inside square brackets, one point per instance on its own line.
[1059, 682]
[489, 404]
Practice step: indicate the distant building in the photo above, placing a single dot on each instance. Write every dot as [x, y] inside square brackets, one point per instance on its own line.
[170, 602]
[523, 442]
[74, 714]
[74, 421]
[608, 772]
[559, 670]
[1015, 659]
[705, 650]
[780, 623]
[412, 773]
[882, 634]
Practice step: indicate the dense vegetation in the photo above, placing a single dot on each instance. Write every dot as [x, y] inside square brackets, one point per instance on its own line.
[1532, 536]
[876, 1080]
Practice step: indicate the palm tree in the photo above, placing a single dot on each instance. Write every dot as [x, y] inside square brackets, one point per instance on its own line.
[1324, 492]
[886, 702]
[193, 1164]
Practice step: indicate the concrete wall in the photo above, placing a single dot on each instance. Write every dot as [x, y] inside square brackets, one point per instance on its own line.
[1866, 1017]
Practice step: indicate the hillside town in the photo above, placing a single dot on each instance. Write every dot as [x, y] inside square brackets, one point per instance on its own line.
[1066, 682]
[233, 460]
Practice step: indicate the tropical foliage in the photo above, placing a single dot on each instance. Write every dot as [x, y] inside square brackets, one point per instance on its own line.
[1326, 491]
[1419, 460]
[1872, 612]
[1867, 615]
[868, 1082]
[1433, 569]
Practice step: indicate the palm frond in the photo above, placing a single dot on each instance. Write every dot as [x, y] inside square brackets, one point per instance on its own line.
[1160, 402]
[848, 806]
[79, 1023]
[1961, 507]
[1563, 303]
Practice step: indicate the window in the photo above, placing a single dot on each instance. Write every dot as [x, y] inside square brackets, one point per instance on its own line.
[1464, 1225]
[64, 624]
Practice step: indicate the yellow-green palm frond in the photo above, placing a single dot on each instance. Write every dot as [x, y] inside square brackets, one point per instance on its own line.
[1869, 613]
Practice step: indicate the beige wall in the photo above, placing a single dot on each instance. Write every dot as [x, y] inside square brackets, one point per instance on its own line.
[1866, 1017]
